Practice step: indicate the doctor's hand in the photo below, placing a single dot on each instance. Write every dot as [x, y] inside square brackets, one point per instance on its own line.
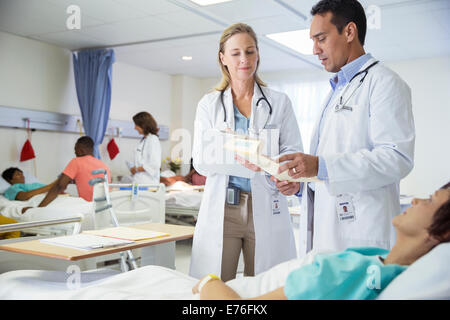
[299, 165]
[247, 163]
[285, 187]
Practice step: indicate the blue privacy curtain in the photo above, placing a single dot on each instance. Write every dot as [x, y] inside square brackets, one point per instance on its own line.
[93, 69]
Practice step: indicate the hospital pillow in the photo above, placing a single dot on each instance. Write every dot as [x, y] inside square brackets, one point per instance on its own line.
[427, 278]
[29, 178]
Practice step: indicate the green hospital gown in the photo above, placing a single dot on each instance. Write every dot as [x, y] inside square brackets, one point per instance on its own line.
[12, 191]
[353, 274]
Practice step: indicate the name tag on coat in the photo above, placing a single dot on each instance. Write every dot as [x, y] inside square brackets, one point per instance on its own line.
[344, 208]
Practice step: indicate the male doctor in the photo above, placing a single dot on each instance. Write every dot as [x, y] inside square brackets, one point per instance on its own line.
[362, 145]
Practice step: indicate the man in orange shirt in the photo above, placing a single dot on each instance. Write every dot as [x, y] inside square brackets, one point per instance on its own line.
[79, 169]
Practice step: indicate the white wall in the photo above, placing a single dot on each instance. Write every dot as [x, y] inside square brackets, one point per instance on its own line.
[429, 80]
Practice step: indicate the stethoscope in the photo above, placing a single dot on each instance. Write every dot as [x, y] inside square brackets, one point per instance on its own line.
[144, 139]
[263, 98]
[341, 105]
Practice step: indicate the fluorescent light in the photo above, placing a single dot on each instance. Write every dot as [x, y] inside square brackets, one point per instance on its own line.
[297, 40]
[186, 58]
[208, 2]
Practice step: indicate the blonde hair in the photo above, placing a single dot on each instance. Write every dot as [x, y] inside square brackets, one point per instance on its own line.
[227, 34]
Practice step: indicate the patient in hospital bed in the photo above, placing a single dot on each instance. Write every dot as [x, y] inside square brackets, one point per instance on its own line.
[192, 178]
[19, 190]
[423, 233]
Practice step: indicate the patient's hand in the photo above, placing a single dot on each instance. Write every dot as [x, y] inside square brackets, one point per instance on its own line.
[25, 209]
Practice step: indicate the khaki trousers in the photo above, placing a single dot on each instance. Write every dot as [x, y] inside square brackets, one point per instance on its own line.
[238, 234]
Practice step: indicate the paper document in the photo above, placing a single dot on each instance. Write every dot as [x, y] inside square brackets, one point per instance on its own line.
[127, 233]
[250, 149]
[86, 241]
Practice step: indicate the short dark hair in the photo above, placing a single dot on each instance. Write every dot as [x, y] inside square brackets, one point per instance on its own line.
[146, 122]
[86, 142]
[344, 12]
[9, 173]
[440, 227]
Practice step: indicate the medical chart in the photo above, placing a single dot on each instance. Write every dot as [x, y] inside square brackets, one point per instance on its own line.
[250, 149]
[127, 233]
[86, 241]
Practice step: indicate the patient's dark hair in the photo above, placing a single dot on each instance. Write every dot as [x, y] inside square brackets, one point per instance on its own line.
[344, 12]
[87, 143]
[440, 227]
[8, 174]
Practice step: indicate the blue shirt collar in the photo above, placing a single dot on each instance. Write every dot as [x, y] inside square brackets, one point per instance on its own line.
[348, 71]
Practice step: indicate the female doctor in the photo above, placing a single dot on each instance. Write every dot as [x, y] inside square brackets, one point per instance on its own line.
[241, 209]
[147, 157]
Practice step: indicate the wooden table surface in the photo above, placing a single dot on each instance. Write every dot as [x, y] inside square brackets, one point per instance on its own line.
[38, 248]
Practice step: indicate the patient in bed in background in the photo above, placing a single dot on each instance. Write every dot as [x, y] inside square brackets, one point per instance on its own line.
[20, 190]
[193, 178]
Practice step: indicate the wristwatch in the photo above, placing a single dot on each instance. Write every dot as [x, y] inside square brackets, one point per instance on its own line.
[206, 279]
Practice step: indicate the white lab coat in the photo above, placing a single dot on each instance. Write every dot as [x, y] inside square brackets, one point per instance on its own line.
[148, 155]
[367, 152]
[273, 232]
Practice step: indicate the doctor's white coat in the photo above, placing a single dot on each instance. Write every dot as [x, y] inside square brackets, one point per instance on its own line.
[273, 232]
[367, 151]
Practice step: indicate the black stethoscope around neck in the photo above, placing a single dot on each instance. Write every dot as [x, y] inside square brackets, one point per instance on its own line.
[342, 105]
[263, 98]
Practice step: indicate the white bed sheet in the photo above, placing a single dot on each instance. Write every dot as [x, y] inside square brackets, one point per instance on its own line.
[63, 206]
[185, 199]
[150, 282]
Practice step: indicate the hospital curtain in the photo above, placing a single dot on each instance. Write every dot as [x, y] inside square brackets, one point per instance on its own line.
[307, 98]
[93, 71]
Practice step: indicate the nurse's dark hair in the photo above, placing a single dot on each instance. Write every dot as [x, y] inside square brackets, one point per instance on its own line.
[146, 122]
[344, 12]
[8, 174]
[440, 227]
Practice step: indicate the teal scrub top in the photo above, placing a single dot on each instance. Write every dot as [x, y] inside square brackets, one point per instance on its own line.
[12, 191]
[353, 274]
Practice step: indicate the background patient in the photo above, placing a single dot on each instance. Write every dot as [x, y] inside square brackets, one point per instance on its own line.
[343, 275]
[20, 190]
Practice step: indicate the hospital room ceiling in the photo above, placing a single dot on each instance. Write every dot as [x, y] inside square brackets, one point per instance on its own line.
[155, 34]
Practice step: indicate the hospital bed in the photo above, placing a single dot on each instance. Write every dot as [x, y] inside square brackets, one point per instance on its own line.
[183, 203]
[143, 207]
[131, 206]
[427, 278]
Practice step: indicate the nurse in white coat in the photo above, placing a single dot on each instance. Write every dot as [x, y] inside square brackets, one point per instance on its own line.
[264, 218]
[362, 146]
[147, 156]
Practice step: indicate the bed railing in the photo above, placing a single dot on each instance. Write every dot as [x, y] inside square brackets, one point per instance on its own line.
[26, 225]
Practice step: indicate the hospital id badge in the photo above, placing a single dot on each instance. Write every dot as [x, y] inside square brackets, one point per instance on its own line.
[276, 206]
[344, 208]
